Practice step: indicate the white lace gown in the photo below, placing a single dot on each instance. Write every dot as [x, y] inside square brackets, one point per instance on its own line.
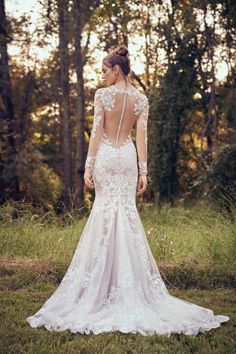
[113, 282]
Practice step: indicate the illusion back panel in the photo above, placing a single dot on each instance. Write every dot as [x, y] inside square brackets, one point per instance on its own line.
[113, 118]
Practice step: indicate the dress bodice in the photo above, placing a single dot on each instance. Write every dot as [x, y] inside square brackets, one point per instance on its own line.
[113, 101]
[116, 110]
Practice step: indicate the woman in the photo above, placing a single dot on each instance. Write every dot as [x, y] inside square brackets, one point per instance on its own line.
[113, 282]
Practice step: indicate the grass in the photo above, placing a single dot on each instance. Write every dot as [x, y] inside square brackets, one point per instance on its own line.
[195, 251]
[198, 234]
[26, 285]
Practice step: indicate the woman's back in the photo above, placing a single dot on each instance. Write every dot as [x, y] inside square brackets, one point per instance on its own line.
[115, 112]
[121, 109]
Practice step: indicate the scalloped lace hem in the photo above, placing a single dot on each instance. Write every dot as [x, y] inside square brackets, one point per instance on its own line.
[187, 328]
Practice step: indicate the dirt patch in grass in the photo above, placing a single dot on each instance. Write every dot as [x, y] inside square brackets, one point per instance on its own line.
[24, 262]
[182, 275]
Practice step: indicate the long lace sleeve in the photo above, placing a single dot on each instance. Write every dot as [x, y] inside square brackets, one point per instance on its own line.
[141, 138]
[97, 129]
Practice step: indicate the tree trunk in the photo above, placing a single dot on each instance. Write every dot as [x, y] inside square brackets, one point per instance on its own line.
[80, 116]
[65, 100]
[8, 106]
[23, 121]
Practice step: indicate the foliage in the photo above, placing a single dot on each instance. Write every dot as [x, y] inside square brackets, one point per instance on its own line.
[192, 111]
[221, 179]
[38, 182]
[170, 114]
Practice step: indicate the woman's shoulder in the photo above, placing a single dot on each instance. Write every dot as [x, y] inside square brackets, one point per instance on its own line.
[138, 94]
[142, 97]
[101, 91]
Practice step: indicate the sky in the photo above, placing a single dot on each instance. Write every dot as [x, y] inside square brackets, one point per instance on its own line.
[33, 9]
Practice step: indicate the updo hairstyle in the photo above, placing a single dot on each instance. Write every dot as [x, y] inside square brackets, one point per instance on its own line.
[119, 56]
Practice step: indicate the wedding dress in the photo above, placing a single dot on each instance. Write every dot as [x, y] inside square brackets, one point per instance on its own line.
[113, 282]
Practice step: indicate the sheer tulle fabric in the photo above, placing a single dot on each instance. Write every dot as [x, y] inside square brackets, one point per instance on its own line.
[113, 282]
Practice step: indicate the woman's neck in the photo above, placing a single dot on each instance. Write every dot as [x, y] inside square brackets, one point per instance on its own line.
[122, 83]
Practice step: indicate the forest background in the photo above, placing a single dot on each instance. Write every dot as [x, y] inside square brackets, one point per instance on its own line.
[183, 58]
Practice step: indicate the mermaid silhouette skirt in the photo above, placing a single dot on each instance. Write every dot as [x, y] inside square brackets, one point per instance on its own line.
[113, 282]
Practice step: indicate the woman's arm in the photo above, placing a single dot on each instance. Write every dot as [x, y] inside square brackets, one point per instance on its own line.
[97, 129]
[95, 138]
[141, 138]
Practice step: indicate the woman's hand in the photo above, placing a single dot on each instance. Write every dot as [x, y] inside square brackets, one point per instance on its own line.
[88, 178]
[142, 183]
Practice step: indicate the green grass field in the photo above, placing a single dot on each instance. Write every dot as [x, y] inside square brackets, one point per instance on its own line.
[195, 249]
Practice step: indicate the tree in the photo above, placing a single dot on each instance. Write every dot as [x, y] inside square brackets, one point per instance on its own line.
[62, 6]
[82, 14]
[8, 133]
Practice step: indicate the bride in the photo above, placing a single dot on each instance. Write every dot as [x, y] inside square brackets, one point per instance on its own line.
[113, 282]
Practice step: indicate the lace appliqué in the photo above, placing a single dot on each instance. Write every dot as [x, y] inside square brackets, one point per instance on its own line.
[100, 246]
[145, 120]
[140, 104]
[90, 160]
[141, 99]
[107, 141]
[113, 295]
[142, 167]
[98, 110]
[83, 279]
[96, 123]
[145, 111]
[108, 102]
[114, 89]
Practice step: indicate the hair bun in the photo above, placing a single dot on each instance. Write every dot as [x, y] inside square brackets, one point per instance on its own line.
[122, 50]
